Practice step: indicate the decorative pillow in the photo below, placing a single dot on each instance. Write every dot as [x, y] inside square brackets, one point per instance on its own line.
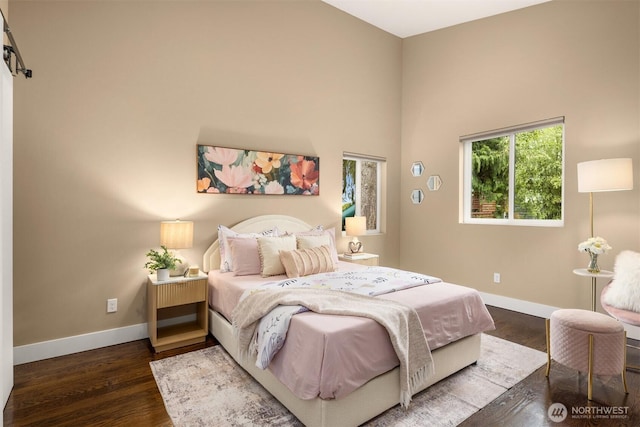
[269, 250]
[302, 262]
[624, 290]
[226, 263]
[318, 237]
[312, 241]
[317, 230]
[244, 255]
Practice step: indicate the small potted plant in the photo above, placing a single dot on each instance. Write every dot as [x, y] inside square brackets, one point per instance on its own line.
[161, 262]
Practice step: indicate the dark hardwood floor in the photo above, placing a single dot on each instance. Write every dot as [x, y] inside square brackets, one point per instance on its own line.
[113, 386]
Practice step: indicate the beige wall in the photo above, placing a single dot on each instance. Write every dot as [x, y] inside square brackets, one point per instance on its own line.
[106, 134]
[574, 59]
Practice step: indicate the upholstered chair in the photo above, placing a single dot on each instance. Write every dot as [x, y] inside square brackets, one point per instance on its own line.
[621, 297]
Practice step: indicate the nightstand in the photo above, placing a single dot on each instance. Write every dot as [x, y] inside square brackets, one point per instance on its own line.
[171, 293]
[360, 258]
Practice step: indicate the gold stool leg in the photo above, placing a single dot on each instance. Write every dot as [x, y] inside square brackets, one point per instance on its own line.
[548, 348]
[590, 377]
[624, 364]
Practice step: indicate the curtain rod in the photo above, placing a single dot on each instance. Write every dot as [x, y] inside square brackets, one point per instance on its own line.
[13, 49]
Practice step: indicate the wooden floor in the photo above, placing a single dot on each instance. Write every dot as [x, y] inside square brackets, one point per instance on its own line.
[114, 386]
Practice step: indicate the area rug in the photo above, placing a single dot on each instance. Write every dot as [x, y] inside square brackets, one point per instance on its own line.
[208, 388]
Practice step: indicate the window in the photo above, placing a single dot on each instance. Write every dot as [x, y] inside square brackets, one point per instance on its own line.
[361, 187]
[514, 176]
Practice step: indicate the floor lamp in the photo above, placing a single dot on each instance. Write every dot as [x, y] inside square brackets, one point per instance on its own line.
[604, 175]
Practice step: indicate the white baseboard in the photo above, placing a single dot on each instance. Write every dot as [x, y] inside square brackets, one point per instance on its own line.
[521, 306]
[539, 310]
[75, 344]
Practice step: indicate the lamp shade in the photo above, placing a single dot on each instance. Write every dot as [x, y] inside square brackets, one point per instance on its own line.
[605, 175]
[176, 234]
[355, 226]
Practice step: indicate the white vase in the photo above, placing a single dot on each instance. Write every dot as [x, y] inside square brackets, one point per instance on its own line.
[163, 274]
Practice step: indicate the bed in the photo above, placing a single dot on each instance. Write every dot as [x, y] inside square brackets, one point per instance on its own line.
[333, 400]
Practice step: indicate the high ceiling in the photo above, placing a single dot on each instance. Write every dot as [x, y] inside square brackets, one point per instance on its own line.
[406, 18]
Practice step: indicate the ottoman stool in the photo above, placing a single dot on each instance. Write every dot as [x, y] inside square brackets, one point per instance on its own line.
[588, 342]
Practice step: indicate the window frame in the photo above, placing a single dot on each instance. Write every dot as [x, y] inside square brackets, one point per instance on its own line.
[380, 161]
[466, 179]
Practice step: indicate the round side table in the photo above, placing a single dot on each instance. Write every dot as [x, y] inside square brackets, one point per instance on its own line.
[605, 274]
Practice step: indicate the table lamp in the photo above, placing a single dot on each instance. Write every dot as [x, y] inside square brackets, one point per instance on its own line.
[175, 235]
[355, 226]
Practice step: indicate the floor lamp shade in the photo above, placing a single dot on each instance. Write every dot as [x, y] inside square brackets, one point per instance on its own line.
[176, 234]
[605, 175]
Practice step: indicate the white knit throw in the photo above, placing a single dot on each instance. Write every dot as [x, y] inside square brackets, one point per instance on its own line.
[401, 322]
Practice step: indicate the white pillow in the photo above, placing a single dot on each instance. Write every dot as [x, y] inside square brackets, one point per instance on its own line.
[312, 241]
[269, 250]
[226, 260]
[317, 237]
[624, 290]
[317, 229]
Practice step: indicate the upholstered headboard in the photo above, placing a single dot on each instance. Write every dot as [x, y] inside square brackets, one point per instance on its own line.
[285, 223]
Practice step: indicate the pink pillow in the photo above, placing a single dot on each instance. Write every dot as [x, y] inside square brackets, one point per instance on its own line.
[245, 259]
[224, 233]
[303, 262]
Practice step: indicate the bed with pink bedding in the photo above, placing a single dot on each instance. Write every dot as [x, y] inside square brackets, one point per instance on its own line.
[342, 370]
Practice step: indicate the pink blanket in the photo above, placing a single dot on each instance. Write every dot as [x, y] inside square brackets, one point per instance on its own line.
[330, 356]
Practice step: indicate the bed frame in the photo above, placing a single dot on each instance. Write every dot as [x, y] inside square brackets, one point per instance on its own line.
[364, 403]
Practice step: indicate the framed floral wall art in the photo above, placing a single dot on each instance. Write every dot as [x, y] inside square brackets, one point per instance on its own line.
[235, 171]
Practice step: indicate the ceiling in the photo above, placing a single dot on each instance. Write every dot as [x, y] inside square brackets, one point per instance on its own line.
[406, 18]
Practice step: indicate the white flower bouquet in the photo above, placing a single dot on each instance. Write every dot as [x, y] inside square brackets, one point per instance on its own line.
[594, 245]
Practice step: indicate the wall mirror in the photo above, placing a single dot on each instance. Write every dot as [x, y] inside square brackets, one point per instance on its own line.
[417, 168]
[434, 182]
[417, 196]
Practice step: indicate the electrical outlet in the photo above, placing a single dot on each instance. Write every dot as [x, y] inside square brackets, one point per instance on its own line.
[112, 305]
[496, 277]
